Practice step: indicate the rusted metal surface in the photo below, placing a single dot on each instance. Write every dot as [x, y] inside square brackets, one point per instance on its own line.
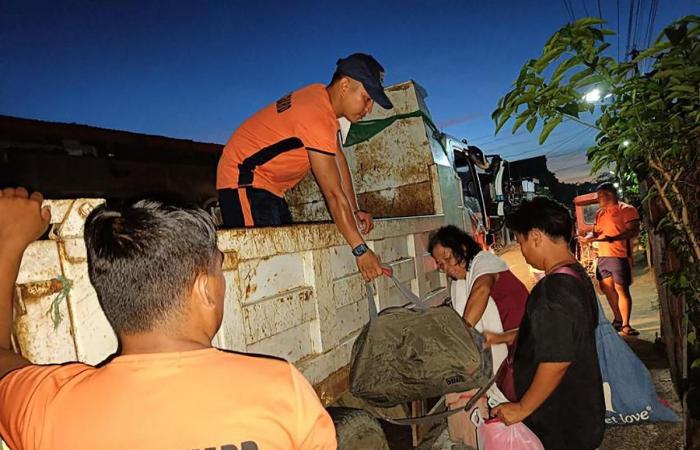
[33, 291]
[333, 387]
[391, 172]
[402, 201]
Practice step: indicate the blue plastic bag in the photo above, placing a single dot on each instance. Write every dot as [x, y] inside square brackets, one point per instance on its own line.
[630, 396]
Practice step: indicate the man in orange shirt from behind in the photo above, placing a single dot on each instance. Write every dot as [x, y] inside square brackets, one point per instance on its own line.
[616, 224]
[157, 272]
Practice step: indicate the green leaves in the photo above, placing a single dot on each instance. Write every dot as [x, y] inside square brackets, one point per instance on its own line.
[531, 123]
[588, 22]
[676, 34]
[549, 125]
[522, 117]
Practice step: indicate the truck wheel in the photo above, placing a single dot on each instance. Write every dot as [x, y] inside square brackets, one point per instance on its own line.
[357, 430]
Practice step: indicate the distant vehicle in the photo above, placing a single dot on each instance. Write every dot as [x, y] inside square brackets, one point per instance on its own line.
[586, 209]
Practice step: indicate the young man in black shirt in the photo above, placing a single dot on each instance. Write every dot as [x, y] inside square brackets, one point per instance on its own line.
[557, 377]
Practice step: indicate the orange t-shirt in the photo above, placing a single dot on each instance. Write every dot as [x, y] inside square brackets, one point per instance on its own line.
[269, 151]
[201, 399]
[612, 221]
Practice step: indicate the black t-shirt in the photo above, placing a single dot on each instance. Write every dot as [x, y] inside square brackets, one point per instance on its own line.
[559, 326]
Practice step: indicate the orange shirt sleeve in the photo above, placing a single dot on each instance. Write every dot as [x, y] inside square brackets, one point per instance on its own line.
[318, 130]
[315, 429]
[630, 214]
[24, 395]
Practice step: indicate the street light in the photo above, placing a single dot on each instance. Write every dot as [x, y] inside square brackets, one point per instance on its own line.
[593, 96]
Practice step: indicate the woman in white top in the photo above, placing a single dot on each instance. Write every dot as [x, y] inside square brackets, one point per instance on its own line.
[484, 291]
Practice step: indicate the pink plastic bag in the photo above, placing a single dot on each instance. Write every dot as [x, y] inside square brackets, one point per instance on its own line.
[495, 435]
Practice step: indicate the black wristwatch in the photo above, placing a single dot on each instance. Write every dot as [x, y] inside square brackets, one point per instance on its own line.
[360, 250]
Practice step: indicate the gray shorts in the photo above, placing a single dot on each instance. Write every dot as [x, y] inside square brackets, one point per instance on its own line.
[617, 268]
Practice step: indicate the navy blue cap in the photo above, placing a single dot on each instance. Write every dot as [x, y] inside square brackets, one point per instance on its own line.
[365, 69]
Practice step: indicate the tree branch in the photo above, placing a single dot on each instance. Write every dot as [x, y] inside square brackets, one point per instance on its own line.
[682, 222]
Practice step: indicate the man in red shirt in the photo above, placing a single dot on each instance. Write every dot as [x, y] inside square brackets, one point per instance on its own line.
[273, 150]
[616, 224]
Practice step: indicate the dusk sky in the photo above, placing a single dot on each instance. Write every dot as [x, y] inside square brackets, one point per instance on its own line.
[196, 70]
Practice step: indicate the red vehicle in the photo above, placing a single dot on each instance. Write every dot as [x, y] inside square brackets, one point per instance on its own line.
[586, 209]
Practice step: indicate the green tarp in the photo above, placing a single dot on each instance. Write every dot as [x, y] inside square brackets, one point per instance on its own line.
[365, 130]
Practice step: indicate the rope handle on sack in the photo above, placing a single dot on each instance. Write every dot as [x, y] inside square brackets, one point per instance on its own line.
[445, 414]
[407, 293]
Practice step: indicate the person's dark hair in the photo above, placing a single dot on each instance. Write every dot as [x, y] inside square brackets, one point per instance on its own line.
[544, 214]
[607, 187]
[463, 246]
[143, 257]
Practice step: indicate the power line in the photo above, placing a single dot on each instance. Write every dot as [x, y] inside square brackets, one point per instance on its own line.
[569, 10]
[568, 141]
[585, 9]
[629, 29]
[567, 154]
[618, 30]
[653, 10]
[547, 149]
[600, 12]
[637, 23]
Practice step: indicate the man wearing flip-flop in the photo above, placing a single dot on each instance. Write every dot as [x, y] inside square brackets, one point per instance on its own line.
[274, 149]
[616, 224]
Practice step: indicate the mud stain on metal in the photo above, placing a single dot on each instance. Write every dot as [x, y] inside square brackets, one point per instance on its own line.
[37, 290]
[335, 385]
[231, 261]
[409, 200]
[23, 338]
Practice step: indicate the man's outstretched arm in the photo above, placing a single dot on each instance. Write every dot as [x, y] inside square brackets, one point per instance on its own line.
[22, 221]
[325, 169]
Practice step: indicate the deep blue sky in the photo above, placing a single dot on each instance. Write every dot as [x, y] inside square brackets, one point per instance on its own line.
[197, 69]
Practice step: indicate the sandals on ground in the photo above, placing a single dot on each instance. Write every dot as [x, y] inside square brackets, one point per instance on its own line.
[628, 331]
[617, 324]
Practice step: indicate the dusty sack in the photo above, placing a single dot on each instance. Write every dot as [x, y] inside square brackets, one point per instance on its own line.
[411, 353]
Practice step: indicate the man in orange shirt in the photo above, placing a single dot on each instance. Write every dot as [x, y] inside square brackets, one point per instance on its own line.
[157, 272]
[273, 150]
[616, 224]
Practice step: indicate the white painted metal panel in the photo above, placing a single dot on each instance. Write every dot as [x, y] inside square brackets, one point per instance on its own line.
[292, 345]
[274, 315]
[292, 292]
[261, 278]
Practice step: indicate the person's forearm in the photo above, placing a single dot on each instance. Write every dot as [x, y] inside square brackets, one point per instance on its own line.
[346, 180]
[547, 378]
[478, 299]
[10, 259]
[629, 234]
[344, 218]
[507, 337]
